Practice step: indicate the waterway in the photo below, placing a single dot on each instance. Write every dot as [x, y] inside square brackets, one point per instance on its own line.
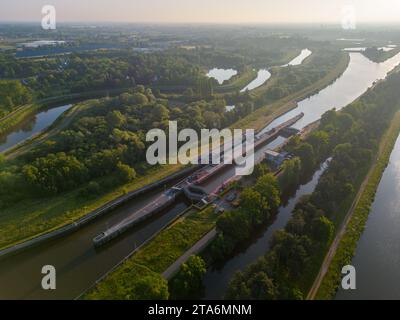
[216, 280]
[377, 258]
[360, 75]
[79, 265]
[31, 126]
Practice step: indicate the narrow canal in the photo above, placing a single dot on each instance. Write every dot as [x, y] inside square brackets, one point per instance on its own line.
[358, 77]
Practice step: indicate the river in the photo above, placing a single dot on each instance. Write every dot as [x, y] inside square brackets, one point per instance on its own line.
[358, 77]
[31, 126]
[79, 265]
[216, 280]
[377, 258]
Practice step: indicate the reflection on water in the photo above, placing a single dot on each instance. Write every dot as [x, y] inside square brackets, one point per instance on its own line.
[377, 258]
[31, 126]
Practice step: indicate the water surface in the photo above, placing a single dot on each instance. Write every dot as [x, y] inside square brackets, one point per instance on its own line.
[377, 258]
[31, 126]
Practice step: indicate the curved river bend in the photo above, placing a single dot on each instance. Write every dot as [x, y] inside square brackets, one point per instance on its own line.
[358, 77]
[32, 126]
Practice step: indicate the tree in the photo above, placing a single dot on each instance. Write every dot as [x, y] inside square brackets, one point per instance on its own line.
[115, 119]
[188, 284]
[305, 152]
[254, 206]
[151, 288]
[267, 186]
[125, 173]
[262, 287]
[291, 173]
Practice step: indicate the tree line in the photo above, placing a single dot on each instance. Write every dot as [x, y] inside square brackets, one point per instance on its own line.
[352, 137]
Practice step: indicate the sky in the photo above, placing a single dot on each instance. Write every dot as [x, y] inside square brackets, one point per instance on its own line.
[203, 11]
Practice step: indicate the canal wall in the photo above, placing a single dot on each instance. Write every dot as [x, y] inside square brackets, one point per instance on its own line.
[69, 228]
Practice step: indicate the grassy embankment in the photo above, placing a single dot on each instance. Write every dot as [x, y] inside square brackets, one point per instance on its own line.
[35, 217]
[17, 117]
[381, 56]
[267, 113]
[156, 255]
[356, 225]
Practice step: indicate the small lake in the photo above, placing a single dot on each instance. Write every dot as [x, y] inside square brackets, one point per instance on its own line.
[221, 75]
[262, 76]
[31, 126]
[377, 258]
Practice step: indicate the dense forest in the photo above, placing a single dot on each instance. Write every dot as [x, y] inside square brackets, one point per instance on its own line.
[351, 138]
[106, 139]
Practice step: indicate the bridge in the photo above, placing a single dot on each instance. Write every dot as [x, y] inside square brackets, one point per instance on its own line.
[189, 187]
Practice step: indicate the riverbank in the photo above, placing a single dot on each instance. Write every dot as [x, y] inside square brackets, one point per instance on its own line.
[12, 120]
[269, 112]
[57, 212]
[155, 256]
[344, 247]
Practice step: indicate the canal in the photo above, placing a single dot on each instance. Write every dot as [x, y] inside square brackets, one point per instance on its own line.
[217, 279]
[377, 258]
[360, 74]
[79, 265]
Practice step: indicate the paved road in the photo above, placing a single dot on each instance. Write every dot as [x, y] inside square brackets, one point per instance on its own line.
[200, 245]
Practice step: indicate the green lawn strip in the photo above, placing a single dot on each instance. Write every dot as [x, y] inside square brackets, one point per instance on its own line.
[355, 228]
[161, 252]
[174, 241]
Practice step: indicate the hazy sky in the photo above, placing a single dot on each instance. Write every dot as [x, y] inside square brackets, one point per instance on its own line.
[214, 11]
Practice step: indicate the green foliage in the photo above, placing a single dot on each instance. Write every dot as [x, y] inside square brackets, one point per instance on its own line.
[296, 252]
[12, 95]
[257, 205]
[188, 283]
